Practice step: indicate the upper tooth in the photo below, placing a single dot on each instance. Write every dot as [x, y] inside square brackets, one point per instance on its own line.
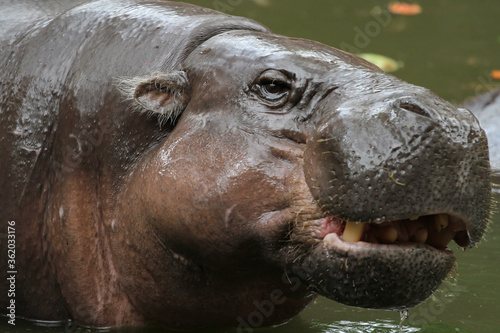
[414, 218]
[441, 221]
[353, 232]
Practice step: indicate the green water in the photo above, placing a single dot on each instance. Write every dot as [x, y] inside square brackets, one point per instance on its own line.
[450, 48]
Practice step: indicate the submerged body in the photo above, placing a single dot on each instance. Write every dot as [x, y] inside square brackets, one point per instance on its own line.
[486, 107]
[246, 185]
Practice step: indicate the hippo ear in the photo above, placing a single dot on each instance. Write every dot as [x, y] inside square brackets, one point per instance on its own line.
[165, 95]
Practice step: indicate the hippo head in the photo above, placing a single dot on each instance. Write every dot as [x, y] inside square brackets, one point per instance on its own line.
[292, 161]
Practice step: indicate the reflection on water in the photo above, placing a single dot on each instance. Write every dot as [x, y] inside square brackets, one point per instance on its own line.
[451, 48]
[345, 326]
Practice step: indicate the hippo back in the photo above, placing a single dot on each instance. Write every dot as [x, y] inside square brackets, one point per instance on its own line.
[54, 89]
[486, 107]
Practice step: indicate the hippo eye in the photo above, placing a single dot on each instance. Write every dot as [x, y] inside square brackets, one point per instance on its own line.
[273, 87]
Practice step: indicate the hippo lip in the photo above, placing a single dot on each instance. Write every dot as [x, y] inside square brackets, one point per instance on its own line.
[435, 230]
[393, 265]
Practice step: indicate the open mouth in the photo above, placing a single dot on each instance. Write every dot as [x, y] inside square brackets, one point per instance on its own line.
[436, 230]
[391, 265]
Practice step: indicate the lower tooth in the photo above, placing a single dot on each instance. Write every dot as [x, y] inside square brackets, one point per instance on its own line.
[353, 232]
[441, 221]
[387, 235]
[420, 236]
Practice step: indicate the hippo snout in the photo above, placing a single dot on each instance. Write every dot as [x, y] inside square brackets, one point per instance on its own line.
[397, 176]
[400, 157]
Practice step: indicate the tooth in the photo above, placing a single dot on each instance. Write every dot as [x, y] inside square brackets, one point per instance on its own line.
[414, 218]
[440, 235]
[420, 236]
[353, 232]
[387, 234]
[440, 221]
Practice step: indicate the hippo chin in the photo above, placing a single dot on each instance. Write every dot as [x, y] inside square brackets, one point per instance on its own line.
[167, 163]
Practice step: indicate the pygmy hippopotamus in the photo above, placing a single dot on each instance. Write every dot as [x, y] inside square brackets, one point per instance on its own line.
[167, 163]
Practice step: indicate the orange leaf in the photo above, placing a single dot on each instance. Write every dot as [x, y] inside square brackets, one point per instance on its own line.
[403, 8]
[495, 74]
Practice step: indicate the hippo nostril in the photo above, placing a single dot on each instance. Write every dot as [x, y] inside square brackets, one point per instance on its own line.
[414, 108]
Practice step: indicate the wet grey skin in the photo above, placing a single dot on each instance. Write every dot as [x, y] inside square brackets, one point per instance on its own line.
[376, 150]
[163, 160]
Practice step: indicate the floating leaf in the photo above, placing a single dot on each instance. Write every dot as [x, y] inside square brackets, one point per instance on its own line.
[262, 3]
[404, 8]
[385, 63]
